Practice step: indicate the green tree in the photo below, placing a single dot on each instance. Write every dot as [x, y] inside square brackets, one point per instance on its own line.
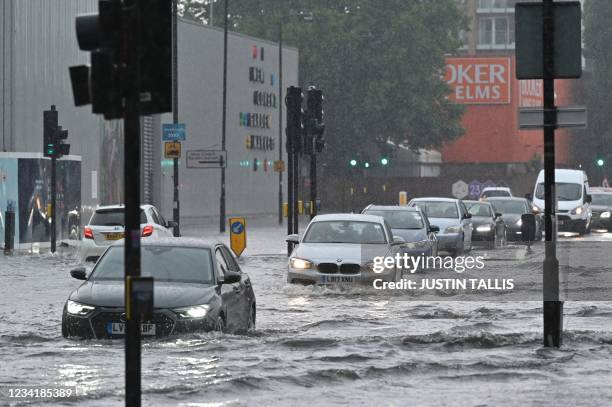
[379, 64]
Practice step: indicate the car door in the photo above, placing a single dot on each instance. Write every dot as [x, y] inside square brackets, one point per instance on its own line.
[231, 294]
[163, 229]
[431, 236]
[466, 225]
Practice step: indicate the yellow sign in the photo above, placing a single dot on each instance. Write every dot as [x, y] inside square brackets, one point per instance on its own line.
[172, 149]
[279, 166]
[403, 198]
[237, 235]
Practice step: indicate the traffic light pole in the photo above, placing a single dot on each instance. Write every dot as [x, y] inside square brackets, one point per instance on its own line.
[131, 176]
[223, 124]
[53, 202]
[280, 120]
[176, 210]
[313, 184]
[553, 308]
[290, 198]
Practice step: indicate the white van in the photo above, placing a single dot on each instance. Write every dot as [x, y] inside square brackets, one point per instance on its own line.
[573, 197]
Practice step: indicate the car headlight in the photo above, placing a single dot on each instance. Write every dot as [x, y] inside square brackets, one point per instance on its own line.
[605, 215]
[196, 311]
[300, 264]
[76, 308]
[452, 229]
[483, 228]
[577, 211]
[519, 222]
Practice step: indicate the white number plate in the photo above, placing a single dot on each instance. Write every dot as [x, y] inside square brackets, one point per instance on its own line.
[118, 328]
[337, 279]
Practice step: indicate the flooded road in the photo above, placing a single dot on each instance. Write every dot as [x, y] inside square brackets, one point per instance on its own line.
[314, 346]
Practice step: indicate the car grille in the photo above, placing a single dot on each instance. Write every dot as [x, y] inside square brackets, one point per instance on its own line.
[333, 268]
[563, 217]
[163, 323]
[350, 268]
[328, 268]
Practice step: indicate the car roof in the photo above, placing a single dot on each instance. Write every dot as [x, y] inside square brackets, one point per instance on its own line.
[392, 208]
[506, 198]
[434, 199]
[120, 206]
[477, 202]
[175, 242]
[348, 216]
[496, 189]
[595, 190]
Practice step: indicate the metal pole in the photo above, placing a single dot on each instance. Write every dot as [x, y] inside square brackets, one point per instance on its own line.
[223, 125]
[553, 308]
[131, 162]
[53, 200]
[280, 120]
[296, 181]
[313, 183]
[176, 210]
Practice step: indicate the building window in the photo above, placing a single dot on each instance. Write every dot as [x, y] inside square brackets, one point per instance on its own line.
[496, 6]
[495, 32]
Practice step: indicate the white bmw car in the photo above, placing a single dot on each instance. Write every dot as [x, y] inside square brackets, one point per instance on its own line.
[107, 225]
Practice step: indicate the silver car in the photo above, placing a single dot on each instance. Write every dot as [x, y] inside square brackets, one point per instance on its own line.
[341, 248]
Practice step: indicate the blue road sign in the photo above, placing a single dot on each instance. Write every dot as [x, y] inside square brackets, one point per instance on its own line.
[474, 189]
[174, 132]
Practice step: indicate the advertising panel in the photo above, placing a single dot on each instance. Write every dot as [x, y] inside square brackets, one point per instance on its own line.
[479, 80]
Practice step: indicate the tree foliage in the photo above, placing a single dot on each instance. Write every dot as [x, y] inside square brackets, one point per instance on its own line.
[379, 64]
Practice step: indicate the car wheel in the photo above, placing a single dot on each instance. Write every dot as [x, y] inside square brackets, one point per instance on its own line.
[220, 325]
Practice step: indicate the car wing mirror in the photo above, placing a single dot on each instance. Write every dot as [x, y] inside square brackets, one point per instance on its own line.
[171, 224]
[434, 228]
[588, 198]
[231, 277]
[467, 216]
[79, 273]
[398, 240]
[498, 215]
[295, 239]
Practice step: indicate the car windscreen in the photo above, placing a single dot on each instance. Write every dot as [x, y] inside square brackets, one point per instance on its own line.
[112, 217]
[345, 232]
[434, 209]
[478, 209]
[497, 192]
[400, 219]
[163, 263]
[565, 191]
[510, 207]
[602, 199]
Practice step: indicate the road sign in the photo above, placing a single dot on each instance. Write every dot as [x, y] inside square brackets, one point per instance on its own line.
[237, 235]
[172, 149]
[403, 198]
[173, 132]
[474, 189]
[567, 40]
[489, 184]
[206, 159]
[460, 189]
[567, 117]
[279, 166]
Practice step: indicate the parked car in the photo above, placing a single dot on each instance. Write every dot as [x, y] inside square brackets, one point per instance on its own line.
[574, 200]
[489, 226]
[601, 208]
[490, 192]
[453, 219]
[107, 224]
[412, 225]
[198, 286]
[340, 248]
[511, 210]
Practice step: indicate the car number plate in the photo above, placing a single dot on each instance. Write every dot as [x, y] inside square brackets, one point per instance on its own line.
[118, 328]
[114, 236]
[337, 279]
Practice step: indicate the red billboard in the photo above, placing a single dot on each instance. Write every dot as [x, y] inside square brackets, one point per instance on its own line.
[479, 80]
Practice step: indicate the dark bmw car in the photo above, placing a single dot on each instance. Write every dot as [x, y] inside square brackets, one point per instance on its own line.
[198, 286]
[601, 206]
[489, 226]
[411, 224]
[512, 209]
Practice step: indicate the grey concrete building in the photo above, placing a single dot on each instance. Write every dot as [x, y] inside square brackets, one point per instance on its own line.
[38, 44]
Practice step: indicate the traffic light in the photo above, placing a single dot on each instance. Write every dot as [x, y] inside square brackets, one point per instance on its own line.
[353, 162]
[54, 135]
[103, 84]
[384, 161]
[314, 119]
[295, 127]
[600, 162]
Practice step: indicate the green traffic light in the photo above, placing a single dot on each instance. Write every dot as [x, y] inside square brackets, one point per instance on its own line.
[353, 162]
[367, 165]
[384, 161]
[600, 162]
